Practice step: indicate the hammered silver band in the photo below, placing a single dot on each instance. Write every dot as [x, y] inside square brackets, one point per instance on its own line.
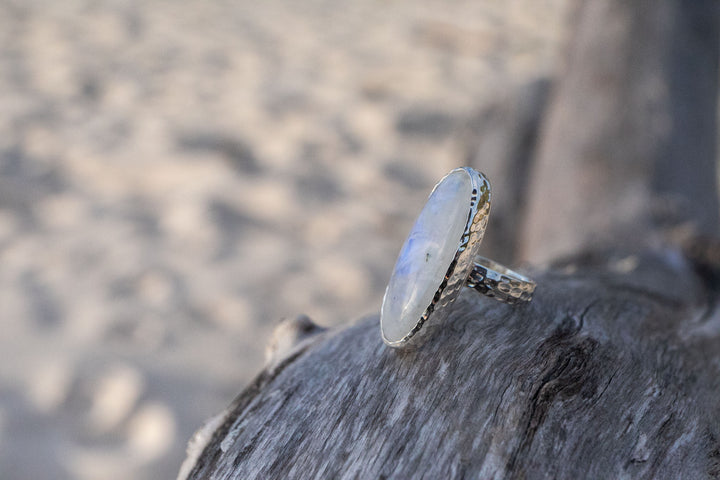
[494, 280]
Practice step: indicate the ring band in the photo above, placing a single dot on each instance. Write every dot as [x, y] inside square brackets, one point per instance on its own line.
[440, 257]
[494, 280]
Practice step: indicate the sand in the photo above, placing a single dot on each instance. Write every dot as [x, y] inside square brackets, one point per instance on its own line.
[177, 176]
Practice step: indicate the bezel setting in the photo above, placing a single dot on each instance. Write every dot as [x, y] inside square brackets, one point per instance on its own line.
[462, 263]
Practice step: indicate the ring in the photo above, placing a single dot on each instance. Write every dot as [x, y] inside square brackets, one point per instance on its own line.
[440, 256]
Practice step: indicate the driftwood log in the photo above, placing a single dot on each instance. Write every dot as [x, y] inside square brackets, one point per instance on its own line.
[612, 371]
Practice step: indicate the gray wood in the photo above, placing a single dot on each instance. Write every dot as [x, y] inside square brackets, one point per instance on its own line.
[628, 146]
[612, 371]
[500, 142]
[607, 373]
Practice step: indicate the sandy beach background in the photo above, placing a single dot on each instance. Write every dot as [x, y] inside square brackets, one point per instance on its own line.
[177, 176]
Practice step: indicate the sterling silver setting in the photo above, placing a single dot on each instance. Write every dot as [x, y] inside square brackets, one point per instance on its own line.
[467, 268]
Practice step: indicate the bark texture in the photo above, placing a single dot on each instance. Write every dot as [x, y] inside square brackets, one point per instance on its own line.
[607, 373]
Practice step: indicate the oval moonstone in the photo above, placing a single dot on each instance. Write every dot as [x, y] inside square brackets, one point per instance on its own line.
[426, 255]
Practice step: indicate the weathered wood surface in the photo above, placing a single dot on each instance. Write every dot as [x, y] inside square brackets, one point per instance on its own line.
[612, 371]
[607, 373]
[628, 145]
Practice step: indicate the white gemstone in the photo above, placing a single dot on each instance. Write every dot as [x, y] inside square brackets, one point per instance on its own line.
[426, 255]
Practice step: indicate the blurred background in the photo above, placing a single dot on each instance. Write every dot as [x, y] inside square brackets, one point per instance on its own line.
[178, 176]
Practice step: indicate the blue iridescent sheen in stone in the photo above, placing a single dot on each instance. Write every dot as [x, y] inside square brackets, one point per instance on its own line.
[426, 255]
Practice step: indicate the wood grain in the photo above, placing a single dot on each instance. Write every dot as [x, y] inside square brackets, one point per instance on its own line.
[607, 373]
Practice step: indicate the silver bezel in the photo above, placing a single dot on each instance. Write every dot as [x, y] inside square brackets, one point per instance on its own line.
[459, 269]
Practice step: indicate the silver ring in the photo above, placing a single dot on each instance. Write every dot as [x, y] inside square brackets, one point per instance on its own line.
[494, 280]
[440, 257]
